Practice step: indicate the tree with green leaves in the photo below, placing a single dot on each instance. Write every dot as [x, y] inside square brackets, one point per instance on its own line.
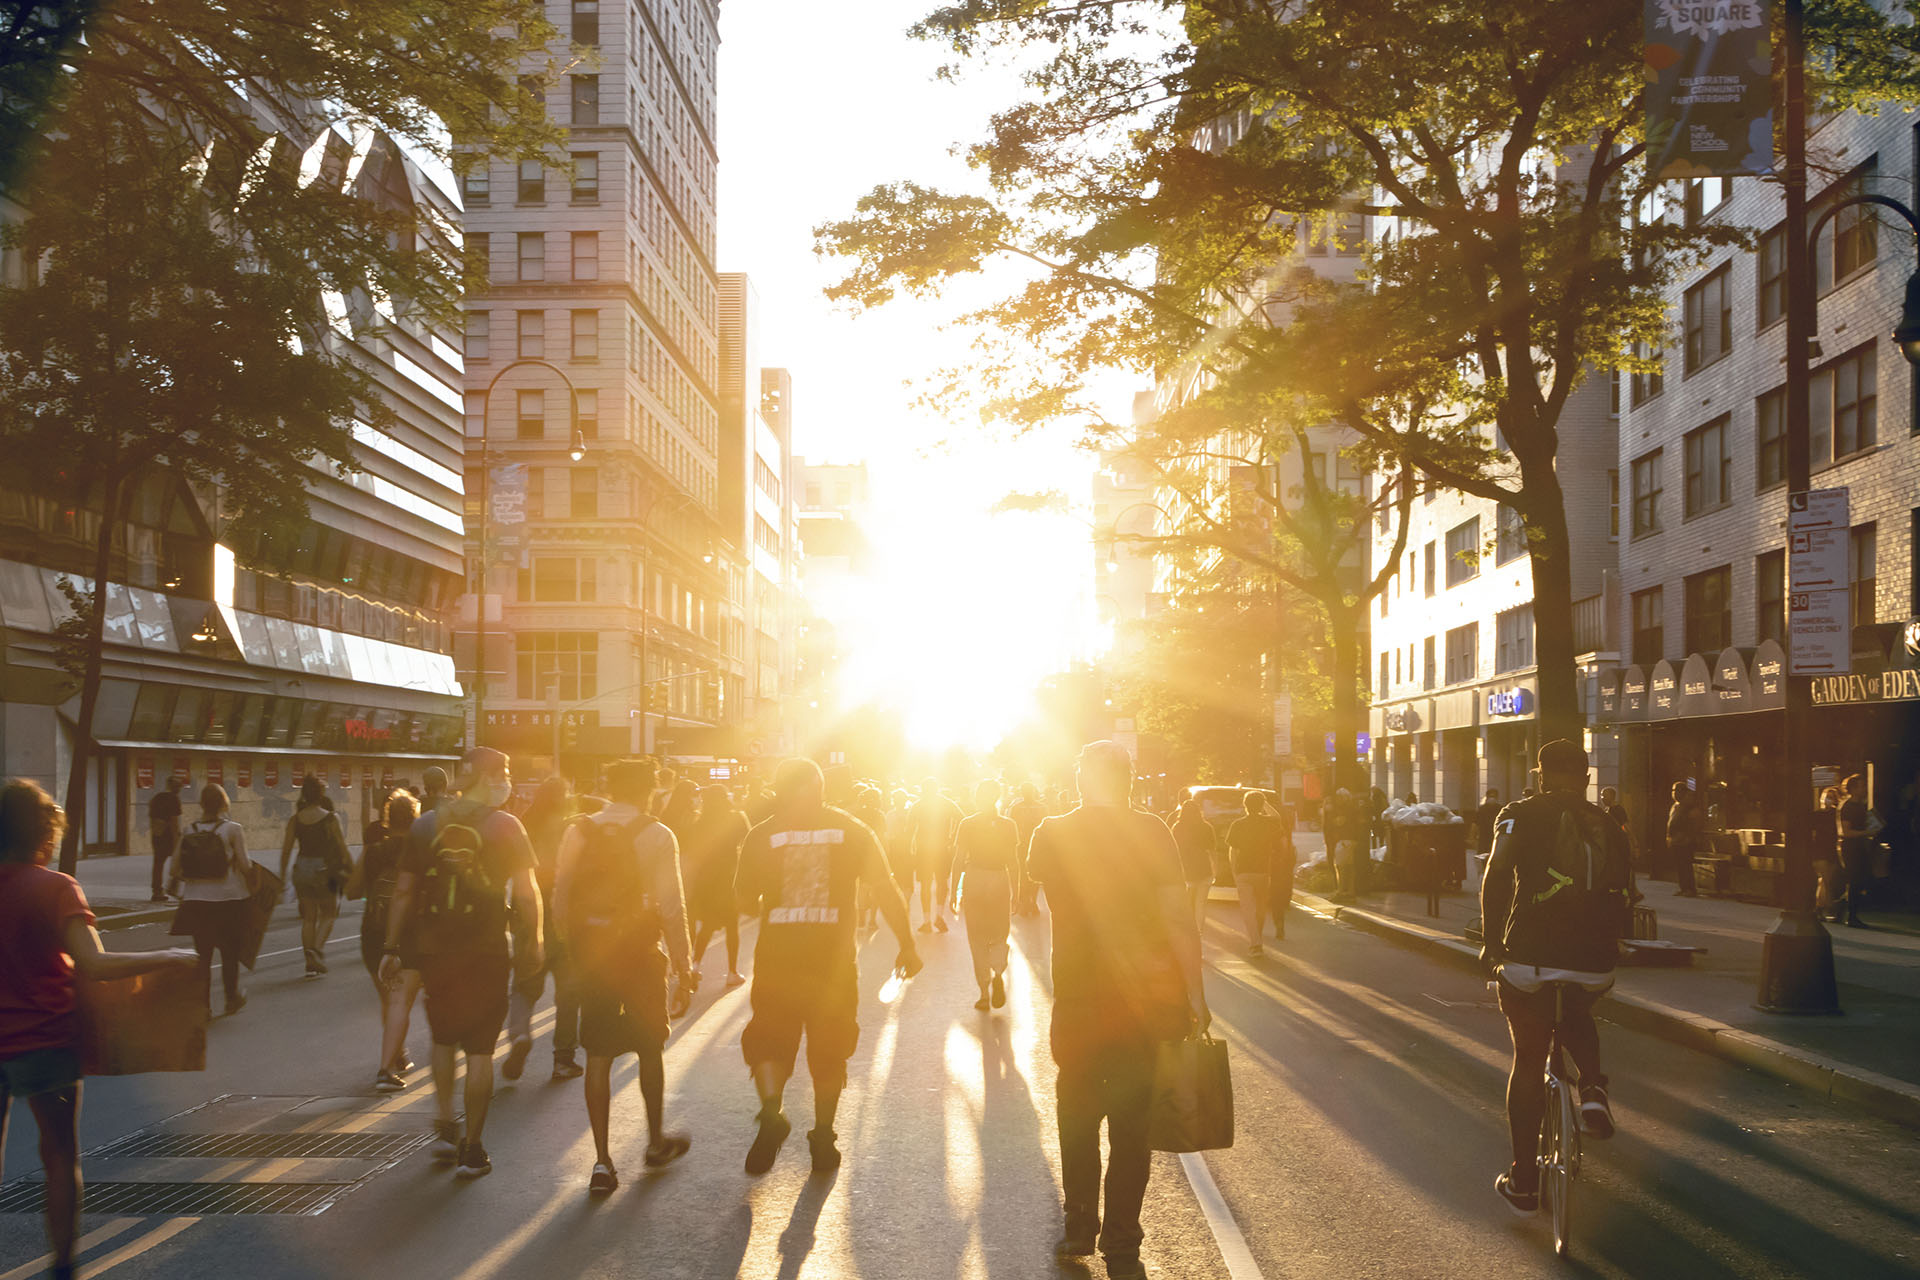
[1169, 159]
[204, 248]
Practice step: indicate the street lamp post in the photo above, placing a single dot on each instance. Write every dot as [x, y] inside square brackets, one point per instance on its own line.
[1796, 959]
[577, 450]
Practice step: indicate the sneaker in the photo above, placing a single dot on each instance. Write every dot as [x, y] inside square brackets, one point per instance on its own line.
[940, 924]
[1255, 951]
[766, 1144]
[926, 926]
[158, 897]
[1596, 1114]
[473, 1161]
[983, 1004]
[567, 1069]
[235, 1004]
[999, 991]
[445, 1147]
[667, 1148]
[405, 1064]
[1523, 1203]
[604, 1180]
[1074, 1245]
[734, 979]
[317, 962]
[1125, 1266]
[516, 1058]
[389, 1082]
[826, 1155]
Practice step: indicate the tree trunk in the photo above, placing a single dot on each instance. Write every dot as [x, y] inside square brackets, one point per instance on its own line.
[1349, 717]
[95, 642]
[1559, 714]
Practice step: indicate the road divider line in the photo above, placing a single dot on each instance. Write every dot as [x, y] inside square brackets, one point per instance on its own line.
[134, 1248]
[99, 1235]
[291, 951]
[1226, 1232]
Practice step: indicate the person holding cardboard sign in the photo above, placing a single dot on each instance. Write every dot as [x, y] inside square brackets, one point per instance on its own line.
[46, 939]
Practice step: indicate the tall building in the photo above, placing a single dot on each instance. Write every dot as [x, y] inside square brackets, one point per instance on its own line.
[602, 573]
[332, 656]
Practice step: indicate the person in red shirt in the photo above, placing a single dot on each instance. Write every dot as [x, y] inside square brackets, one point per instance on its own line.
[46, 937]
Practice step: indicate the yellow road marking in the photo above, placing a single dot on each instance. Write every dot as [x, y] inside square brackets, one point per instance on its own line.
[100, 1234]
[133, 1249]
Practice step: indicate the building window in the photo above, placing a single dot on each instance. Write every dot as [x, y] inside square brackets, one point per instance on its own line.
[533, 257]
[1463, 552]
[1382, 686]
[1463, 654]
[1704, 196]
[1850, 242]
[1771, 269]
[1646, 494]
[586, 22]
[1649, 626]
[586, 255]
[531, 335]
[1709, 603]
[1430, 675]
[1649, 382]
[586, 177]
[559, 580]
[586, 335]
[1709, 467]
[474, 186]
[530, 415]
[479, 323]
[479, 251]
[1770, 596]
[1513, 639]
[570, 659]
[585, 492]
[1862, 574]
[1613, 504]
[1845, 409]
[1510, 543]
[1431, 573]
[1709, 318]
[586, 99]
[1770, 439]
[532, 187]
[586, 405]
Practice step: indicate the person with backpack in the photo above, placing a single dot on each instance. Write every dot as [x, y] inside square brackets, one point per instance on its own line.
[467, 869]
[209, 874]
[374, 876]
[1554, 903]
[546, 820]
[800, 871]
[319, 873]
[619, 912]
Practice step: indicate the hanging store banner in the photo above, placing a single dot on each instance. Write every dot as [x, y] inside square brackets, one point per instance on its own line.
[506, 515]
[1709, 88]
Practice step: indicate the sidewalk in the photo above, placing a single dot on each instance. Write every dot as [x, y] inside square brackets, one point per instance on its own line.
[1869, 1055]
[118, 887]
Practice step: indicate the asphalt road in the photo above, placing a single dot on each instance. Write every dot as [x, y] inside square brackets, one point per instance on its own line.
[1370, 1126]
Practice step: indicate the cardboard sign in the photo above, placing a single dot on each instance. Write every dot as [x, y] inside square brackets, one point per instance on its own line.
[154, 1022]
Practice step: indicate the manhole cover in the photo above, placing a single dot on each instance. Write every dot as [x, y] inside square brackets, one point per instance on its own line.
[192, 1199]
[263, 1146]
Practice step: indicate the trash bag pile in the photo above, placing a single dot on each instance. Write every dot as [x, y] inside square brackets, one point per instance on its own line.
[1428, 813]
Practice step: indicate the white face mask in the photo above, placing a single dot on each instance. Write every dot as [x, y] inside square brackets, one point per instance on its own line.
[495, 794]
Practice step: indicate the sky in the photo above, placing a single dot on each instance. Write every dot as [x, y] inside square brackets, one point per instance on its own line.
[966, 611]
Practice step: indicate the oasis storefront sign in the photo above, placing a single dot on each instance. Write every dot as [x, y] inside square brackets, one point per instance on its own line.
[1897, 685]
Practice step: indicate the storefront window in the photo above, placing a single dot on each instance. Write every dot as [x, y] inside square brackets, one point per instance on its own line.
[282, 717]
[114, 710]
[189, 716]
[312, 716]
[249, 723]
[152, 712]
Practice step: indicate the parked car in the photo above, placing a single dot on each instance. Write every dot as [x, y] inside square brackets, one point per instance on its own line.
[1222, 806]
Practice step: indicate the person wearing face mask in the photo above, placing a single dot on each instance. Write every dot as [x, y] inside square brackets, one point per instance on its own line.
[468, 865]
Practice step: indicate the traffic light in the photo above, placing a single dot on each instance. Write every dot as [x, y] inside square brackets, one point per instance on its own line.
[569, 732]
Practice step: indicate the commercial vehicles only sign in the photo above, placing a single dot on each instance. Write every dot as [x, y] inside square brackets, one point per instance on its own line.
[1819, 638]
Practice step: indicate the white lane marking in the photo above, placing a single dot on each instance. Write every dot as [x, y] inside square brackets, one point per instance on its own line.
[133, 1249]
[98, 1235]
[1226, 1232]
[352, 937]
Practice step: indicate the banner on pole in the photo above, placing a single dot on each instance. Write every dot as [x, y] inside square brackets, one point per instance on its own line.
[1709, 88]
[507, 512]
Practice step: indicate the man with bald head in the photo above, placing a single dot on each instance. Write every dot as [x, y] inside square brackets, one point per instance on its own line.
[467, 865]
[800, 870]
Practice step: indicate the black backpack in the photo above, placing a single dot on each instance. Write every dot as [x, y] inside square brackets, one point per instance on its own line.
[1571, 899]
[457, 890]
[612, 921]
[203, 854]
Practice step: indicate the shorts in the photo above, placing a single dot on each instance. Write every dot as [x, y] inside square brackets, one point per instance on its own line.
[625, 1017]
[935, 870]
[822, 1003]
[39, 1071]
[466, 998]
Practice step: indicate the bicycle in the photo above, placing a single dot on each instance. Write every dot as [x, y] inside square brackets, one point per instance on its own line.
[1559, 1151]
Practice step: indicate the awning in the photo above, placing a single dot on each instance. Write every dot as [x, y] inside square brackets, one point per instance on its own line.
[1663, 692]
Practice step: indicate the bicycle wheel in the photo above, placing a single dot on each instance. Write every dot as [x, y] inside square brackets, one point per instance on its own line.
[1559, 1160]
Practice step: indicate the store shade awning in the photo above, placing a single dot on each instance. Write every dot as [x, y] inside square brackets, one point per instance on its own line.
[1732, 687]
[1696, 688]
[1663, 692]
[1767, 675]
[1633, 694]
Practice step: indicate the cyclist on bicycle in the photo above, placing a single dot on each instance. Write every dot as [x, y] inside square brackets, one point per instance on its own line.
[1553, 906]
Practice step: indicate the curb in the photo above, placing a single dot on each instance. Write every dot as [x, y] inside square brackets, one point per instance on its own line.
[1883, 1096]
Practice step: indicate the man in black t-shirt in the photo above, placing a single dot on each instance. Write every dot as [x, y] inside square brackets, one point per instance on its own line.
[466, 865]
[163, 825]
[1126, 975]
[1857, 829]
[801, 870]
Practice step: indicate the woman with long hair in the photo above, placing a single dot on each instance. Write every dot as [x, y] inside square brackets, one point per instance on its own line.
[546, 819]
[46, 939]
[208, 872]
[679, 811]
[378, 869]
[320, 871]
[1196, 839]
[711, 854]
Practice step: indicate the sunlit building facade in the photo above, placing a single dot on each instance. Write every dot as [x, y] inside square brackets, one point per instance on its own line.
[601, 576]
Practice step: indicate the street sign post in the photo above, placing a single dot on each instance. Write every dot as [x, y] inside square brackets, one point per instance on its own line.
[1819, 640]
